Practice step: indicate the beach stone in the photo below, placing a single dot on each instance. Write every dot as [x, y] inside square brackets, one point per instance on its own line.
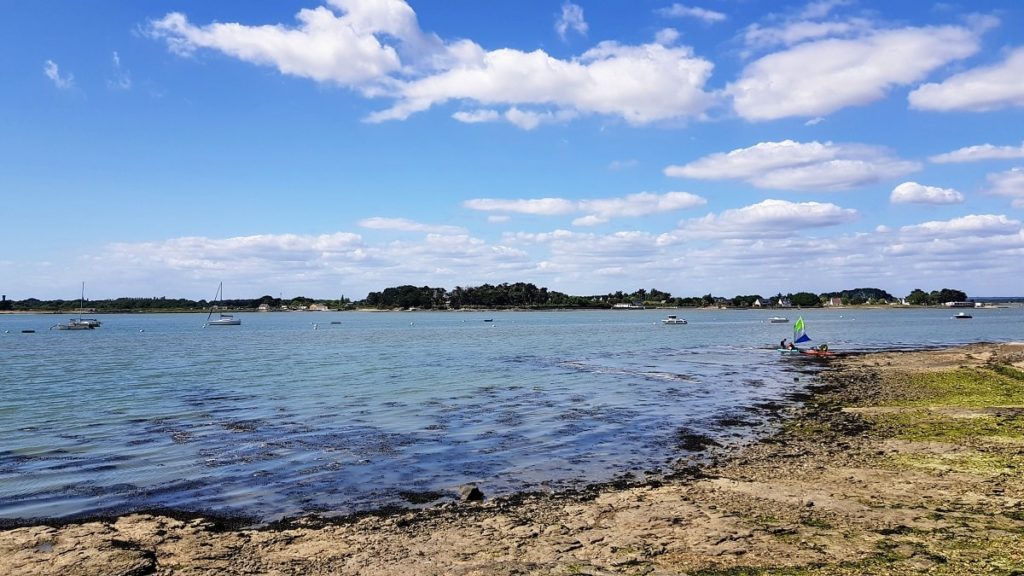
[470, 493]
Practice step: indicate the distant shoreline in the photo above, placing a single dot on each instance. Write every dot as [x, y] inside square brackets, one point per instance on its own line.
[521, 309]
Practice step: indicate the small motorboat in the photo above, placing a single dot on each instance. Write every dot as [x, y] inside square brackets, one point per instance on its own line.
[778, 320]
[673, 319]
[963, 316]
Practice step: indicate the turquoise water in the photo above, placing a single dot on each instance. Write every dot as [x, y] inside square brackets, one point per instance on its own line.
[294, 413]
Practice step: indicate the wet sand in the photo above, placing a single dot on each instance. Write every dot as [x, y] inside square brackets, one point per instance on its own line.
[898, 463]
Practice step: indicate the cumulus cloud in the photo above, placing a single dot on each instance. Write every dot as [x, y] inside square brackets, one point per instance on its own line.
[596, 211]
[640, 84]
[340, 43]
[971, 225]
[985, 246]
[790, 165]
[914, 193]
[379, 49]
[571, 19]
[769, 217]
[1009, 184]
[754, 246]
[978, 90]
[702, 14]
[406, 225]
[979, 153]
[52, 71]
[816, 78]
[312, 264]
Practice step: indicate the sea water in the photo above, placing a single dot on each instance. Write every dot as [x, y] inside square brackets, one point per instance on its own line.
[332, 413]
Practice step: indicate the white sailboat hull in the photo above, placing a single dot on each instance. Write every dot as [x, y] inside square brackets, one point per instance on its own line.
[225, 322]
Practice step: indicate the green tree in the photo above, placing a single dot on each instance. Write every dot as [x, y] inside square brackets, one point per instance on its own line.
[805, 300]
[917, 297]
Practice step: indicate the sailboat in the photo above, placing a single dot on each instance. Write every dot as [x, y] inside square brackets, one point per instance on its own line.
[799, 332]
[799, 337]
[223, 319]
[79, 323]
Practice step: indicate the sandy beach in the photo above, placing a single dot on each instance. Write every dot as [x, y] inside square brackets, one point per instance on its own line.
[897, 463]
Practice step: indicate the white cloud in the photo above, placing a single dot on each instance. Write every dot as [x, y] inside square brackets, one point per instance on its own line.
[758, 37]
[681, 11]
[979, 153]
[914, 193]
[641, 84]
[769, 217]
[814, 121]
[122, 79]
[666, 36]
[971, 225]
[979, 90]
[821, 8]
[817, 78]
[537, 207]
[641, 204]
[529, 119]
[525, 119]
[789, 165]
[379, 49]
[589, 220]
[571, 19]
[1009, 184]
[312, 265]
[342, 49]
[756, 248]
[596, 211]
[52, 71]
[477, 116]
[406, 225]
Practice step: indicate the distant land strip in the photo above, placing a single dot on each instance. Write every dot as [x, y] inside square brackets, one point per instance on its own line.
[519, 295]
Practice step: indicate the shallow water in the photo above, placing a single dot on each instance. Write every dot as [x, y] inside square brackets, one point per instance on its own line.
[291, 413]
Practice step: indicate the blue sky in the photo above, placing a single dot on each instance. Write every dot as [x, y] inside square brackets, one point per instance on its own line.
[334, 147]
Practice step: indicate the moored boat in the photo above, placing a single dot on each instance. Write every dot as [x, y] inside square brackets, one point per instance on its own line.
[78, 323]
[224, 319]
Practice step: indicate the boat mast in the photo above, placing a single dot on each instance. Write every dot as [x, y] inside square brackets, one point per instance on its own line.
[216, 297]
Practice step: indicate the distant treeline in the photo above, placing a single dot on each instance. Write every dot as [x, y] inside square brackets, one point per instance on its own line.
[526, 295]
[162, 304]
[518, 295]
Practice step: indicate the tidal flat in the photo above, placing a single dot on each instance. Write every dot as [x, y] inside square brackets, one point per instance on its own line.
[897, 463]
